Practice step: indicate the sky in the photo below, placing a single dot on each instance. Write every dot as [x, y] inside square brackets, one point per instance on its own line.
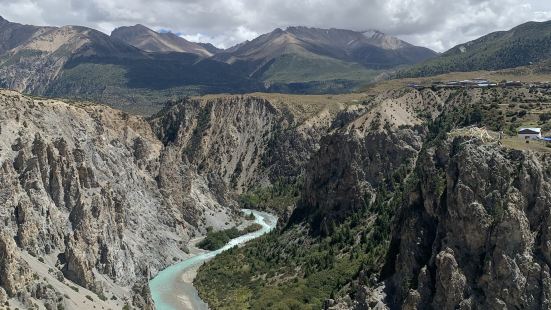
[437, 24]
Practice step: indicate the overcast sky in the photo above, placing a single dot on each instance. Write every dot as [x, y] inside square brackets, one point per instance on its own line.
[437, 24]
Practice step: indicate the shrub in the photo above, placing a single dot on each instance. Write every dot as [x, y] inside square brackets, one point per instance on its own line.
[544, 117]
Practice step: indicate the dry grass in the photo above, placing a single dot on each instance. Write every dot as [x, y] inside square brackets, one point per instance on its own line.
[523, 74]
[519, 144]
[306, 106]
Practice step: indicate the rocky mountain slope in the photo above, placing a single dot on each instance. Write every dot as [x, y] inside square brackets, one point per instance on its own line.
[468, 224]
[245, 141]
[13, 34]
[49, 50]
[152, 41]
[472, 243]
[79, 193]
[302, 54]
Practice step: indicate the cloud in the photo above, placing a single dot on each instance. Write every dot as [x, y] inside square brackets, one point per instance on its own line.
[438, 24]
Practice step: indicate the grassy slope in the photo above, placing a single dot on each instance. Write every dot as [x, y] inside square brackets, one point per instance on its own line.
[530, 42]
[148, 85]
[142, 86]
[298, 65]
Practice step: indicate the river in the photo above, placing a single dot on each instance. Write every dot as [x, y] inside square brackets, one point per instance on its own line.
[172, 288]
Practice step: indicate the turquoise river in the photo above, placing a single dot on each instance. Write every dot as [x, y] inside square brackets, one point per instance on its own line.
[172, 288]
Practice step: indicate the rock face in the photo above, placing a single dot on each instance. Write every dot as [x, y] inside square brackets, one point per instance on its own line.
[238, 142]
[40, 55]
[355, 160]
[78, 185]
[339, 181]
[14, 273]
[475, 232]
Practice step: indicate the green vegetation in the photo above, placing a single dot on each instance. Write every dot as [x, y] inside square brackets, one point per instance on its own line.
[301, 66]
[523, 45]
[217, 239]
[495, 109]
[293, 269]
[276, 198]
[249, 216]
[147, 83]
[102, 296]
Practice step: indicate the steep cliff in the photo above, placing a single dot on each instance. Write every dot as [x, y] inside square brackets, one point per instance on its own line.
[79, 191]
[356, 160]
[242, 142]
[475, 232]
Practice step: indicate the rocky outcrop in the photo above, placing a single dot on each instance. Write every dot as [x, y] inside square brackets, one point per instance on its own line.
[348, 169]
[14, 273]
[361, 155]
[474, 232]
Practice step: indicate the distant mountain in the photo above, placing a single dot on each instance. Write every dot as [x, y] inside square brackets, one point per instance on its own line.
[372, 49]
[151, 41]
[36, 56]
[136, 65]
[13, 34]
[211, 48]
[80, 62]
[522, 45]
[311, 54]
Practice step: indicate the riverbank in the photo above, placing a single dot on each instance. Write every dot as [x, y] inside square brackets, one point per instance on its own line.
[173, 288]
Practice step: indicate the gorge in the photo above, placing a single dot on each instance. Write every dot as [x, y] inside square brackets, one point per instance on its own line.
[406, 194]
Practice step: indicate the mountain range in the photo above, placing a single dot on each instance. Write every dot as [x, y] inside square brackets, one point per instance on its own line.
[138, 69]
[136, 65]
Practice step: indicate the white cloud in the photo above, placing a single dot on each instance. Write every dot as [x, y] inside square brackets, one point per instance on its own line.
[438, 24]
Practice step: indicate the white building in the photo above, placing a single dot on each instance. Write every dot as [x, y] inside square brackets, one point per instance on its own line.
[529, 133]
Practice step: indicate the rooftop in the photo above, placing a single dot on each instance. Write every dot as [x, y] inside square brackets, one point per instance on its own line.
[538, 130]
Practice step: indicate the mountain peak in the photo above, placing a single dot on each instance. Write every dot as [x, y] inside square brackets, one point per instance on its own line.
[384, 40]
[141, 27]
[373, 32]
[150, 40]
